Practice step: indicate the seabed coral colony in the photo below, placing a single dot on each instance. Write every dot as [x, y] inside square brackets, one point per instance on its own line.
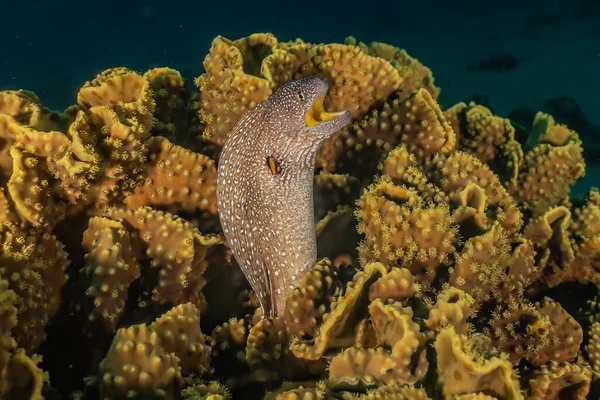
[452, 263]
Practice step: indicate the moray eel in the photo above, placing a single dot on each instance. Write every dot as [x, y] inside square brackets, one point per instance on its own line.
[265, 187]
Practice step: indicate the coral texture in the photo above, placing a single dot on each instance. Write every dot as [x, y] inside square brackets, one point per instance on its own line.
[452, 262]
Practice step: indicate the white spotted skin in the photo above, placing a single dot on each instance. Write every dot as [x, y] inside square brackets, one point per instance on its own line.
[268, 219]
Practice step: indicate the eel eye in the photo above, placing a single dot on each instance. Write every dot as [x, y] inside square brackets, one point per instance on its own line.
[273, 165]
[300, 95]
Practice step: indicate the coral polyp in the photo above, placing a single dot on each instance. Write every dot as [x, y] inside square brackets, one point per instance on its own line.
[452, 261]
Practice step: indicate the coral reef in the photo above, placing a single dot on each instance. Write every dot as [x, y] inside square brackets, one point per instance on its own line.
[452, 261]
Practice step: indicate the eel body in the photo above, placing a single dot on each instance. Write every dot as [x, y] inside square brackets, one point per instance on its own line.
[265, 187]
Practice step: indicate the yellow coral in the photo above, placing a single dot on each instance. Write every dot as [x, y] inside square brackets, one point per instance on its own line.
[415, 74]
[397, 392]
[397, 284]
[565, 334]
[175, 112]
[34, 264]
[593, 347]
[552, 165]
[549, 233]
[488, 137]
[268, 353]
[8, 320]
[417, 122]
[116, 148]
[233, 331]
[9, 128]
[209, 391]
[555, 380]
[176, 179]
[520, 331]
[357, 79]
[25, 107]
[454, 173]
[403, 168]
[443, 252]
[233, 83]
[110, 268]
[489, 267]
[401, 229]
[32, 185]
[20, 375]
[179, 333]
[307, 303]
[452, 307]
[126, 91]
[461, 371]
[177, 249]
[339, 321]
[136, 365]
[584, 232]
[22, 378]
[404, 363]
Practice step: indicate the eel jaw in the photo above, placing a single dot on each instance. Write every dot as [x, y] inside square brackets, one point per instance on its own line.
[317, 113]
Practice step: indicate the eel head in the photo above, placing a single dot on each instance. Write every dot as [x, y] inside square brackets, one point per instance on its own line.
[297, 108]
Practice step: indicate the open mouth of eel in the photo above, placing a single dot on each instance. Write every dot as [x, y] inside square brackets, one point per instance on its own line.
[317, 113]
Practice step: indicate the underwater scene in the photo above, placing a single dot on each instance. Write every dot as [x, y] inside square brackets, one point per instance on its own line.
[300, 201]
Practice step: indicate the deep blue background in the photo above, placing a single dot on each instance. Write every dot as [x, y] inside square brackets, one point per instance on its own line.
[56, 45]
